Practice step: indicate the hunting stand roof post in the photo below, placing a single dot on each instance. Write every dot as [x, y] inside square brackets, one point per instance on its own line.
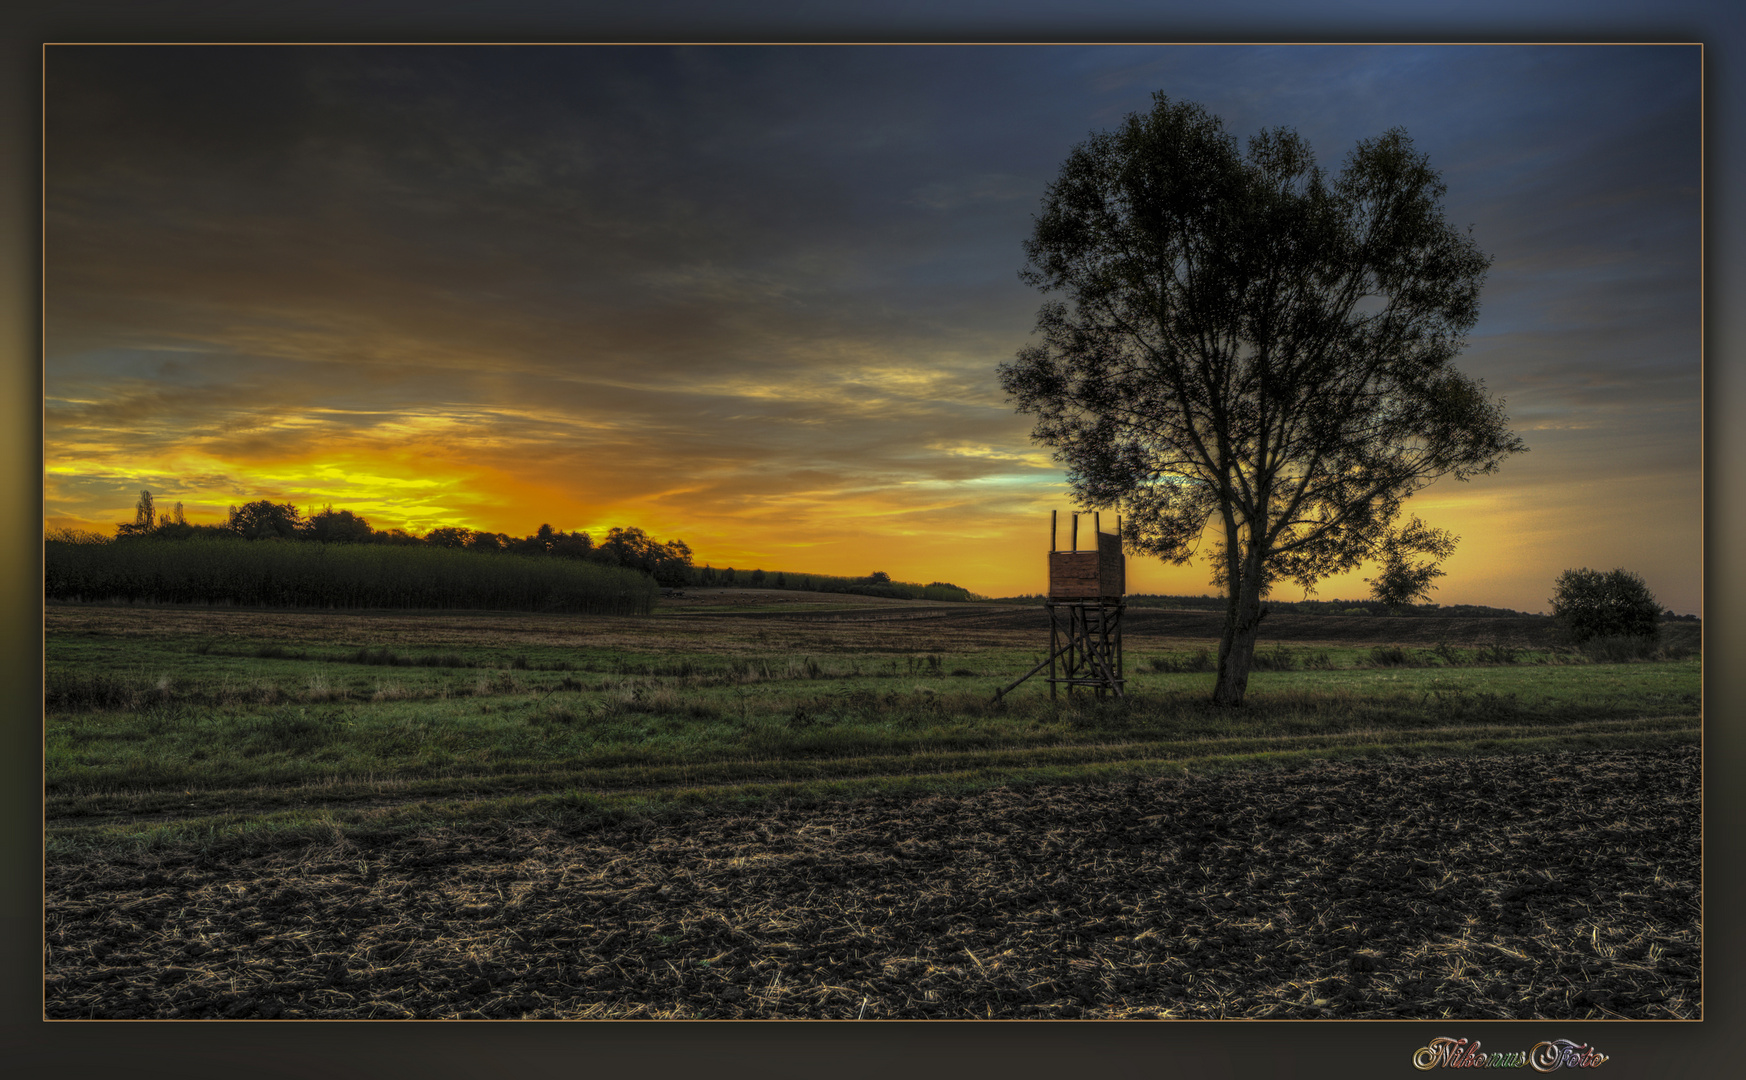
[1087, 590]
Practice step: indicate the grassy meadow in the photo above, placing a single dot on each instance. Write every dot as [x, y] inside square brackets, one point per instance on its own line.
[191, 725]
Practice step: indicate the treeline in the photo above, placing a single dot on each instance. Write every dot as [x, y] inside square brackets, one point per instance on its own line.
[669, 563]
[877, 583]
[335, 558]
[1205, 602]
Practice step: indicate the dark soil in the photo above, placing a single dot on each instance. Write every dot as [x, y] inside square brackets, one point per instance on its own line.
[1564, 887]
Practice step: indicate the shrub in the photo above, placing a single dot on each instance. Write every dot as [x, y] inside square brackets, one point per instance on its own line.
[1199, 660]
[1278, 658]
[1616, 649]
[1617, 603]
[1388, 656]
[1497, 653]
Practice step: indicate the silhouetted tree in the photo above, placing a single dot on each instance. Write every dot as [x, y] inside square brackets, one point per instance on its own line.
[1250, 352]
[484, 541]
[448, 536]
[1617, 603]
[571, 545]
[1402, 579]
[331, 526]
[263, 519]
[669, 563]
[144, 518]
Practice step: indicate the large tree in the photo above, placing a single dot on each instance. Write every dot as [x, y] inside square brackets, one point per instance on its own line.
[1243, 351]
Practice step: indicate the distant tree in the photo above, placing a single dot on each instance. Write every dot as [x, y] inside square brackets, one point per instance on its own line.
[781, 581]
[1248, 351]
[669, 563]
[571, 545]
[263, 519]
[485, 541]
[543, 540]
[331, 526]
[1403, 579]
[674, 567]
[879, 577]
[1616, 603]
[177, 515]
[144, 518]
[448, 536]
[757, 577]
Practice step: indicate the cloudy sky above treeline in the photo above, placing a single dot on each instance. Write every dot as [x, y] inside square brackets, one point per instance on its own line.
[755, 297]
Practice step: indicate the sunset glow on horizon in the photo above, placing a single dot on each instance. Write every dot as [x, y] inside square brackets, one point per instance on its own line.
[754, 298]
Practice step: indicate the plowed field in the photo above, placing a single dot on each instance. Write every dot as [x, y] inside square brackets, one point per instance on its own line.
[1563, 886]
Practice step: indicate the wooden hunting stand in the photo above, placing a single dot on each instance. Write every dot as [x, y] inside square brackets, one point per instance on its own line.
[1087, 590]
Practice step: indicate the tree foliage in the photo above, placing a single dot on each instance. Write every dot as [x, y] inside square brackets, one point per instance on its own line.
[1403, 578]
[330, 526]
[1250, 352]
[669, 563]
[145, 517]
[1616, 603]
[264, 519]
[449, 536]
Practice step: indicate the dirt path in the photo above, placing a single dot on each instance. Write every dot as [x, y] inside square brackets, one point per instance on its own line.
[1565, 886]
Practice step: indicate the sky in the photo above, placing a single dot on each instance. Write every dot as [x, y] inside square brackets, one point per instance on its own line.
[755, 298]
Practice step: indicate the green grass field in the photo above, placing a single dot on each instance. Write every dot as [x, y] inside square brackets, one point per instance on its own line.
[186, 725]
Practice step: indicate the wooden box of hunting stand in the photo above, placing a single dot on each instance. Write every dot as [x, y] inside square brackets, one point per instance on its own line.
[1096, 573]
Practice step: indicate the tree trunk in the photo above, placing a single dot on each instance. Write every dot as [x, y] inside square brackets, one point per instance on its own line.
[1237, 646]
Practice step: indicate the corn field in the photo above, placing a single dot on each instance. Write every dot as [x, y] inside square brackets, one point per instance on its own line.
[270, 573]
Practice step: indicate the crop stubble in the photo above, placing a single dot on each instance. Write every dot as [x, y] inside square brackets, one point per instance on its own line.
[1564, 886]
